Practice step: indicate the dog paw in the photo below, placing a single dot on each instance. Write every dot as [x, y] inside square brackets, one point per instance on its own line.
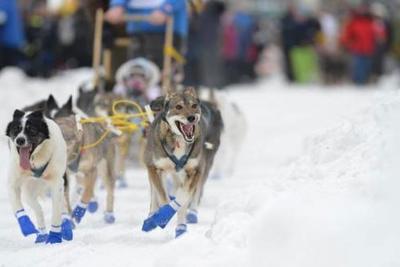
[66, 229]
[79, 212]
[25, 224]
[109, 217]
[54, 237]
[93, 206]
[41, 238]
[165, 213]
[191, 217]
[149, 224]
[180, 230]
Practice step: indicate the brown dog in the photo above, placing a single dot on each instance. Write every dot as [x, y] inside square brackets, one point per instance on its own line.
[182, 142]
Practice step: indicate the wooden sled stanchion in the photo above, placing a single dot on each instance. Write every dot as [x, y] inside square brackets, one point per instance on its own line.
[98, 33]
[169, 42]
[107, 62]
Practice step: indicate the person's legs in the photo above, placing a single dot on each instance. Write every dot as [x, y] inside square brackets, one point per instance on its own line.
[288, 65]
[9, 56]
[153, 48]
[368, 68]
[357, 69]
[2, 56]
[361, 68]
[136, 46]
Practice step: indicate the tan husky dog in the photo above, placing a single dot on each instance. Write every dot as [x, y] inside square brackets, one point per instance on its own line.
[182, 142]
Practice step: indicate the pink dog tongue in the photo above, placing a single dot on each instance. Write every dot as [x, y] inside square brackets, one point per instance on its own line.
[24, 155]
[188, 128]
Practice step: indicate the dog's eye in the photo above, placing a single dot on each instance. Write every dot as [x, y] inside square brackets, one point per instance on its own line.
[30, 129]
[178, 107]
[17, 129]
[194, 106]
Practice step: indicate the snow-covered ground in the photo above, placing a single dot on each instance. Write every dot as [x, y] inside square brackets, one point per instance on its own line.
[315, 185]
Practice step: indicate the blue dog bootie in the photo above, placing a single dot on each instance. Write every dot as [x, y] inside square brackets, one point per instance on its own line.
[191, 216]
[79, 212]
[165, 213]
[66, 228]
[161, 217]
[41, 236]
[25, 223]
[149, 224]
[93, 205]
[180, 230]
[55, 235]
[109, 217]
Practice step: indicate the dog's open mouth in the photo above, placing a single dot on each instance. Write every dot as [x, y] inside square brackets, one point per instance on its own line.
[187, 130]
[24, 156]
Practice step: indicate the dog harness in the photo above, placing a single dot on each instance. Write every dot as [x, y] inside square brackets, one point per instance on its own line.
[38, 172]
[179, 163]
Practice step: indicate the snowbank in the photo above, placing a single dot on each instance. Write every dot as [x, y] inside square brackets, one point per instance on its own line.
[340, 202]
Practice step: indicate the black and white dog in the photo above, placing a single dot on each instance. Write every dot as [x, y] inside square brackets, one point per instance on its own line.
[38, 161]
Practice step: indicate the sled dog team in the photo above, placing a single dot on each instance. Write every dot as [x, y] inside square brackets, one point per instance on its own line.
[46, 141]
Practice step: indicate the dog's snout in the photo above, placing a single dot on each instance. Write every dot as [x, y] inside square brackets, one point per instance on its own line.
[20, 141]
[191, 118]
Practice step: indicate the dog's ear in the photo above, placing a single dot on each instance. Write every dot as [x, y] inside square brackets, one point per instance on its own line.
[18, 114]
[68, 105]
[38, 114]
[66, 109]
[8, 130]
[51, 102]
[171, 92]
[157, 104]
[190, 91]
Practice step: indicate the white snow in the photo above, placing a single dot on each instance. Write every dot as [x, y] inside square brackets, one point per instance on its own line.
[315, 185]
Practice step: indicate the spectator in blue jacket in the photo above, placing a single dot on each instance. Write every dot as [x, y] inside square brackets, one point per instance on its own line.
[148, 36]
[12, 37]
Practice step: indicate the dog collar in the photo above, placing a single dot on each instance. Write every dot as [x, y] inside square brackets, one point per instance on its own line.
[38, 172]
[179, 163]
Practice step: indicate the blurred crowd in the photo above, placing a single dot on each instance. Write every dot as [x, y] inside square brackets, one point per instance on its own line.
[42, 40]
[223, 47]
[328, 46]
[223, 42]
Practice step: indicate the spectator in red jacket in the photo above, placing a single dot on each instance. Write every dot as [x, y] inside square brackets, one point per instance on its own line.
[359, 38]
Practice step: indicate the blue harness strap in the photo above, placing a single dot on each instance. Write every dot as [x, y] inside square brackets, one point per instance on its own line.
[38, 172]
[179, 163]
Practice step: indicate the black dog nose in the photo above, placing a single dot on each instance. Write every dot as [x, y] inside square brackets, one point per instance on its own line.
[191, 118]
[20, 141]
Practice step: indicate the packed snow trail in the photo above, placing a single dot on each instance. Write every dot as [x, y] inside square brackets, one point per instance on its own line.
[310, 187]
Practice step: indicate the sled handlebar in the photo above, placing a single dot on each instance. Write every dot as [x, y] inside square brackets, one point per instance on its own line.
[129, 18]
